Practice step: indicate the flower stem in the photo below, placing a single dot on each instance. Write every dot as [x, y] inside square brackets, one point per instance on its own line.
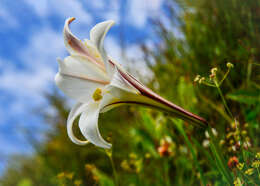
[247, 177]
[186, 139]
[166, 172]
[258, 172]
[109, 154]
[220, 162]
[223, 99]
[225, 76]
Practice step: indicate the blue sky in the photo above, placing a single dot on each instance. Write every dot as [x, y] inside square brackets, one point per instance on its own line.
[31, 40]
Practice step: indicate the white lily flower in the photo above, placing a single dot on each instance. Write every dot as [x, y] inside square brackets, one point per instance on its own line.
[99, 84]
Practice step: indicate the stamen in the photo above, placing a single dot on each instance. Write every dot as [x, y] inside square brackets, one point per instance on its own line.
[97, 94]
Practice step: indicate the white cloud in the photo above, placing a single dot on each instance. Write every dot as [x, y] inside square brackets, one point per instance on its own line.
[98, 4]
[44, 47]
[26, 87]
[112, 15]
[64, 8]
[141, 10]
[40, 7]
[112, 11]
[7, 19]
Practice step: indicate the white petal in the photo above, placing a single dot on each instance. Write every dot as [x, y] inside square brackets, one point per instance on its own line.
[73, 44]
[82, 67]
[77, 88]
[119, 82]
[74, 113]
[93, 50]
[97, 36]
[76, 47]
[88, 124]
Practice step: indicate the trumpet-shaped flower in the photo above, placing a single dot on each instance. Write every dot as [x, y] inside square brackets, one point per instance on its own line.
[99, 84]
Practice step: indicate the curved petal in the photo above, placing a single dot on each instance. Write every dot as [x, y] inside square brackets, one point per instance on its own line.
[97, 36]
[118, 92]
[74, 113]
[119, 82]
[75, 46]
[115, 97]
[77, 88]
[88, 124]
[81, 66]
[93, 51]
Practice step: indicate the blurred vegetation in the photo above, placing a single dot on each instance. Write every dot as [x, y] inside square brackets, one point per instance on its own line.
[148, 147]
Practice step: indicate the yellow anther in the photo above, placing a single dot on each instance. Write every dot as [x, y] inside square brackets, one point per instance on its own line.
[97, 95]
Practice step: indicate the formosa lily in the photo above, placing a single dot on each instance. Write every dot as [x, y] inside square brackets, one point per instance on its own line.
[99, 84]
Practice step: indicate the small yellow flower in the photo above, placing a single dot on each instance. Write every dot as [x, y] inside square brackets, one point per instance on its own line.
[197, 78]
[147, 155]
[125, 165]
[249, 171]
[258, 155]
[221, 142]
[244, 132]
[77, 182]
[237, 182]
[90, 167]
[61, 175]
[70, 175]
[214, 71]
[201, 80]
[133, 156]
[240, 166]
[256, 164]
[230, 65]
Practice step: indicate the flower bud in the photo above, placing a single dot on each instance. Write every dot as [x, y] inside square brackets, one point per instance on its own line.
[230, 65]
[197, 78]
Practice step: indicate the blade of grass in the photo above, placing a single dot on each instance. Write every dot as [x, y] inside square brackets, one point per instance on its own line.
[219, 158]
[181, 130]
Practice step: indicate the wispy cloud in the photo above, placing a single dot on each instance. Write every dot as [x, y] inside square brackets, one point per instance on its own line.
[141, 10]
[6, 18]
[22, 89]
[63, 8]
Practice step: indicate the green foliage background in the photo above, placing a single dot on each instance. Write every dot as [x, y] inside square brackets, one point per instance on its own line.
[148, 149]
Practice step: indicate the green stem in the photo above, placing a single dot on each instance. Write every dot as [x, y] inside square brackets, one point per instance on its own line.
[249, 71]
[220, 162]
[223, 99]
[247, 177]
[224, 77]
[217, 108]
[166, 172]
[181, 130]
[208, 84]
[258, 172]
[109, 154]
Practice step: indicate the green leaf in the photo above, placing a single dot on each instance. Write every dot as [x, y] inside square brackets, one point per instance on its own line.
[245, 96]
